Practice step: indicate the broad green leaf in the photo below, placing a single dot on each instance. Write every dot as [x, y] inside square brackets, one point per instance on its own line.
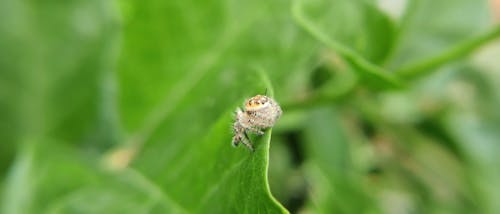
[127, 106]
[171, 49]
[56, 60]
[182, 72]
[219, 177]
[17, 196]
[183, 68]
[50, 177]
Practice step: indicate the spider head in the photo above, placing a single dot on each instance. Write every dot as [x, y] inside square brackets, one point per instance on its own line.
[256, 103]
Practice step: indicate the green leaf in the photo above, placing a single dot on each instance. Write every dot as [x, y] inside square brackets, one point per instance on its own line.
[56, 62]
[182, 69]
[50, 177]
[208, 166]
[17, 197]
[127, 106]
[194, 74]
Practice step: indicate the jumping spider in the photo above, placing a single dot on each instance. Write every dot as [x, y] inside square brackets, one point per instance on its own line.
[260, 112]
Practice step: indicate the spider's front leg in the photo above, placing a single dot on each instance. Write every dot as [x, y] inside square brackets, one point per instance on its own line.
[240, 135]
[246, 140]
[243, 139]
[236, 140]
[255, 130]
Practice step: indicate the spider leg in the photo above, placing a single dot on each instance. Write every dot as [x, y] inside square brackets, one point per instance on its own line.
[236, 140]
[255, 130]
[238, 136]
[246, 140]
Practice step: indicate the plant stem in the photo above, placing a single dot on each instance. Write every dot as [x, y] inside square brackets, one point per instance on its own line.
[428, 65]
[365, 67]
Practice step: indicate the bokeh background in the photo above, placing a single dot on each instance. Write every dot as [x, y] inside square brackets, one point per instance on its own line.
[390, 106]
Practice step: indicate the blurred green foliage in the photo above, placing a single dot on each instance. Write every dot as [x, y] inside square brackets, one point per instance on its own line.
[126, 106]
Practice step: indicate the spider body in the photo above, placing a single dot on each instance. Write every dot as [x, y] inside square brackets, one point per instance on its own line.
[259, 112]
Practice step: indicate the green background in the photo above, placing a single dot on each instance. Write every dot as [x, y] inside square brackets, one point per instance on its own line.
[126, 106]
